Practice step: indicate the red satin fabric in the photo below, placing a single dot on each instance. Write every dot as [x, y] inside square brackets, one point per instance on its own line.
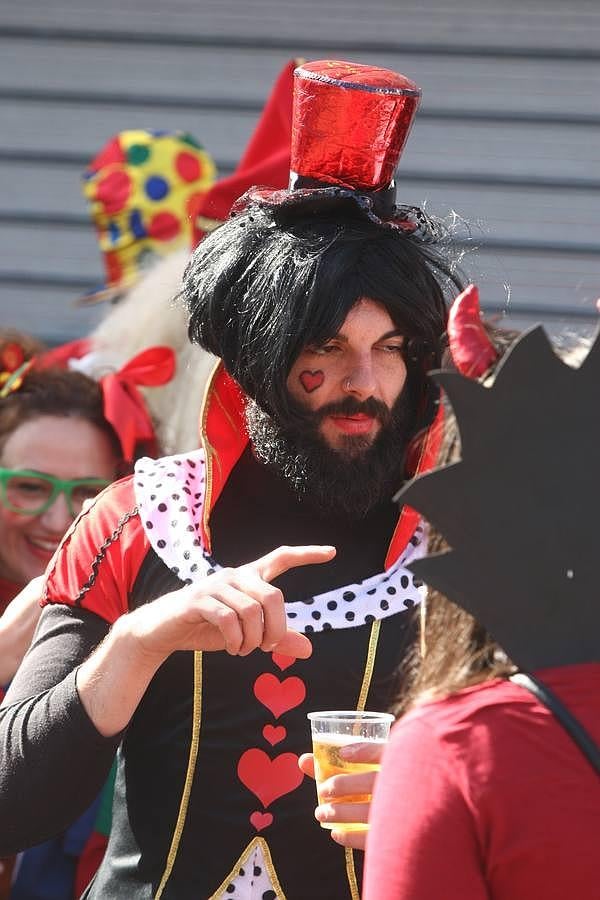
[124, 406]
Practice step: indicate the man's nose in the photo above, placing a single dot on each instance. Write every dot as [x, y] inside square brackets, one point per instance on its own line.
[360, 379]
[57, 517]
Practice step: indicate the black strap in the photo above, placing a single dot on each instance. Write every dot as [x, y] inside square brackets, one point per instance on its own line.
[575, 729]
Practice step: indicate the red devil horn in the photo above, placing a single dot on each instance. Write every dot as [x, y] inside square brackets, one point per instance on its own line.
[472, 350]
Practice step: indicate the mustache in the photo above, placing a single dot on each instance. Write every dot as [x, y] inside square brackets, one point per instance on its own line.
[350, 406]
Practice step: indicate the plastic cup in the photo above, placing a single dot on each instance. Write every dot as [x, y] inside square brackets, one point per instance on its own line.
[333, 730]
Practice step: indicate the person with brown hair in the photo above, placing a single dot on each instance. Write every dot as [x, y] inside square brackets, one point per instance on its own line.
[63, 438]
[489, 788]
[58, 449]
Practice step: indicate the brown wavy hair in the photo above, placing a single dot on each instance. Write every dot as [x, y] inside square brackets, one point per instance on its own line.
[452, 650]
[51, 392]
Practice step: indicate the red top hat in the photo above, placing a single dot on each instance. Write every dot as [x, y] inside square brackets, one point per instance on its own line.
[350, 124]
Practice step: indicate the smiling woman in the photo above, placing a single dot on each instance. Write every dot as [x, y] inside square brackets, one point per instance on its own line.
[50, 465]
[64, 436]
[56, 450]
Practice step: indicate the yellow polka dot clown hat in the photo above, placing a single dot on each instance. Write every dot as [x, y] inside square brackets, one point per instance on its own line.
[144, 189]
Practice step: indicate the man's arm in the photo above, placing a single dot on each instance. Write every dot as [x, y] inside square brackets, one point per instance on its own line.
[54, 762]
[236, 610]
[66, 710]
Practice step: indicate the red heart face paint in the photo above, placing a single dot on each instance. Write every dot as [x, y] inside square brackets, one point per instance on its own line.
[310, 381]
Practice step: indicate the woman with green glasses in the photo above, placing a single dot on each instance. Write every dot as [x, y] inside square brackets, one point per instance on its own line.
[63, 438]
[56, 451]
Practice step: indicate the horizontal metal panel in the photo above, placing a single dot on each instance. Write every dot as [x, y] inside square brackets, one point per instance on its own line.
[47, 312]
[530, 86]
[463, 24]
[532, 280]
[452, 145]
[50, 251]
[571, 337]
[513, 213]
[84, 128]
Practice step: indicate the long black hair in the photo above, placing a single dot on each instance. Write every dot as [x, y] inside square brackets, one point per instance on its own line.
[262, 287]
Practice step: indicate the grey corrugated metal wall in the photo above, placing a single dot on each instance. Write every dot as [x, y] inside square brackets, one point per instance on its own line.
[508, 133]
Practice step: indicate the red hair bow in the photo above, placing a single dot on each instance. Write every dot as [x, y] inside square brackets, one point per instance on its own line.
[124, 405]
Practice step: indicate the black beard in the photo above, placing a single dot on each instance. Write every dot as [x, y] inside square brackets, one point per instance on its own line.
[349, 481]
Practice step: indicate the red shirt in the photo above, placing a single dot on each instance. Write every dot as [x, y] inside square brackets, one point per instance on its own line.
[484, 796]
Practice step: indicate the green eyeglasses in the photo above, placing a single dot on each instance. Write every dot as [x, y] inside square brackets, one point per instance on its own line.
[32, 493]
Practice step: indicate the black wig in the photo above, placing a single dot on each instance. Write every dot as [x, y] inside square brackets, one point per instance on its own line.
[263, 286]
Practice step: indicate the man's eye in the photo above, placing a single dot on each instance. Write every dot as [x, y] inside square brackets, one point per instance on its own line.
[393, 348]
[324, 349]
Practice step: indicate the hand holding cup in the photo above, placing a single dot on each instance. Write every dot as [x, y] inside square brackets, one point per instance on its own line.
[347, 749]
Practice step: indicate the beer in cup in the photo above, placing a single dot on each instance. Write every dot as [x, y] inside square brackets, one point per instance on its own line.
[333, 730]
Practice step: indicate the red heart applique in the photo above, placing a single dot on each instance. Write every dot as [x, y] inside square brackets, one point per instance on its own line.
[274, 734]
[279, 696]
[310, 381]
[269, 778]
[282, 661]
[261, 820]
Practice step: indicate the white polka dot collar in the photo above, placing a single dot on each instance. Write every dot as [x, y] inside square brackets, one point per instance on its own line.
[170, 495]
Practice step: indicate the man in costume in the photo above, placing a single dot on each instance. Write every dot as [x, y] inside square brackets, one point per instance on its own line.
[326, 305]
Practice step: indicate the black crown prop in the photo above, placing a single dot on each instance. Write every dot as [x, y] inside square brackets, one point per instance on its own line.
[519, 510]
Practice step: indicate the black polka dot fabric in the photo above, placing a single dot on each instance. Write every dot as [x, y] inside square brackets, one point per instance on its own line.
[171, 515]
[251, 880]
[170, 493]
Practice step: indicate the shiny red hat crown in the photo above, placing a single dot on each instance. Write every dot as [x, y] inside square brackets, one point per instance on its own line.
[350, 125]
